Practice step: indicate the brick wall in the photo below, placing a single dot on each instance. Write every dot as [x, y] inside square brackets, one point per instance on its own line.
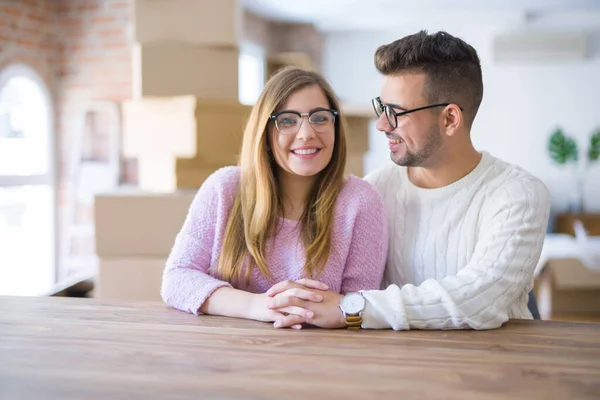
[82, 50]
[94, 39]
[27, 35]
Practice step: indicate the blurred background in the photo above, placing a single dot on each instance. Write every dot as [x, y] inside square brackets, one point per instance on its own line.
[113, 112]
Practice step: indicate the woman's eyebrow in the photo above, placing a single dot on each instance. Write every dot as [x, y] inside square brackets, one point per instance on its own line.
[298, 112]
[319, 109]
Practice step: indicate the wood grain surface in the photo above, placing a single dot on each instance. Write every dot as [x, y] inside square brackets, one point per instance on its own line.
[67, 348]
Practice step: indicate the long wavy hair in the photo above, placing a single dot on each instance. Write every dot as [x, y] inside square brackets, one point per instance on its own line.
[258, 203]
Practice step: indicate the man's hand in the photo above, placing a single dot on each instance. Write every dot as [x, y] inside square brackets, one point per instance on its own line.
[326, 313]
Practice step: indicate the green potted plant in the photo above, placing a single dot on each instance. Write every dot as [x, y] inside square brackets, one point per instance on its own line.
[563, 150]
[594, 149]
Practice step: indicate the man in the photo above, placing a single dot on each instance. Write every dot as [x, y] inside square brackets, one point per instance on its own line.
[466, 229]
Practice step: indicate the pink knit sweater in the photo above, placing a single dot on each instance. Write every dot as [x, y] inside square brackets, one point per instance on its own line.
[358, 253]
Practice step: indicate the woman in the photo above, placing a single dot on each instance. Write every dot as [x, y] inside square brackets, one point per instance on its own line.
[286, 212]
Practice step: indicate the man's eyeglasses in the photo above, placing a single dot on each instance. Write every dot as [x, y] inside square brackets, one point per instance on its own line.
[392, 116]
[289, 122]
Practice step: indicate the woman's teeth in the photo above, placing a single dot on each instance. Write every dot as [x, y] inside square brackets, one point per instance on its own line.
[305, 151]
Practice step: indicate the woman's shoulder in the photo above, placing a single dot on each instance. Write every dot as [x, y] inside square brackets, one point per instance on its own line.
[221, 185]
[226, 178]
[359, 191]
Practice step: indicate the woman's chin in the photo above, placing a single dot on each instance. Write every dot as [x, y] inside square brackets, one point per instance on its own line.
[307, 172]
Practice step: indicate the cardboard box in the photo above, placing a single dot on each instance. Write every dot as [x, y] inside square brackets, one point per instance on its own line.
[220, 128]
[157, 175]
[207, 22]
[355, 164]
[138, 224]
[358, 120]
[358, 134]
[157, 127]
[171, 68]
[135, 278]
[175, 137]
[276, 61]
[184, 127]
[566, 286]
[192, 177]
[565, 222]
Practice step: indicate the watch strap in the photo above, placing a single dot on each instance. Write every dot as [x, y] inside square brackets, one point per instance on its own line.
[353, 321]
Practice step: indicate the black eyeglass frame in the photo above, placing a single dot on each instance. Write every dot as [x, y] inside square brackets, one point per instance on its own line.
[273, 117]
[388, 109]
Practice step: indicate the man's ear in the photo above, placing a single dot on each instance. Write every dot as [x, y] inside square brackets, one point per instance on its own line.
[453, 119]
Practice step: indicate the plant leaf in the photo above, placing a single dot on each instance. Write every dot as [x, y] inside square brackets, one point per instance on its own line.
[562, 148]
[594, 147]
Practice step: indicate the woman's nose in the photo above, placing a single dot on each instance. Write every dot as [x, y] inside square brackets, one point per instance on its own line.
[306, 130]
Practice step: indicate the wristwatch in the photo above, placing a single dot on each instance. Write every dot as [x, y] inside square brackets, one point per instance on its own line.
[352, 306]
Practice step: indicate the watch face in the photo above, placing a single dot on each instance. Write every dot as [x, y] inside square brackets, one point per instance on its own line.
[353, 303]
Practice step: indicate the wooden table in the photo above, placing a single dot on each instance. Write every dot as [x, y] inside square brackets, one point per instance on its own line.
[66, 348]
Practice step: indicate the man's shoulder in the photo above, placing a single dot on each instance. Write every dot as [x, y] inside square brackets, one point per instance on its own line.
[385, 171]
[385, 177]
[510, 182]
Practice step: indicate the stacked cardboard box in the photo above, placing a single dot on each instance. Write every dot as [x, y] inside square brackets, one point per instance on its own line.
[566, 287]
[134, 235]
[173, 68]
[186, 47]
[180, 140]
[358, 120]
[183, 123]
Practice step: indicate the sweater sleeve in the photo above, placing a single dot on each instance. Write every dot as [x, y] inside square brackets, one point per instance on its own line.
[480, 294]
[367, 253]
[186, 283]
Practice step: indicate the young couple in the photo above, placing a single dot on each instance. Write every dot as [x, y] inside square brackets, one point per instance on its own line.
[451, 234]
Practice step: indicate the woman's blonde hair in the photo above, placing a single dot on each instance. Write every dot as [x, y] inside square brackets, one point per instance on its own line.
[258, 203]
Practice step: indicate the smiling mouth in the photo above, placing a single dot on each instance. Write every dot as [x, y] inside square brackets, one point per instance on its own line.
[305, 152]
[395, 140]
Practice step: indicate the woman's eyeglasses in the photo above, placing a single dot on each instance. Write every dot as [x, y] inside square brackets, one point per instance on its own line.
[289, 122]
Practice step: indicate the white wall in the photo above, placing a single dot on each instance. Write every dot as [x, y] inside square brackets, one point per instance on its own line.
[521, 105]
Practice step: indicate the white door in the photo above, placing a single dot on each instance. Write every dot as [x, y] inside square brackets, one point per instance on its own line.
[27, 195]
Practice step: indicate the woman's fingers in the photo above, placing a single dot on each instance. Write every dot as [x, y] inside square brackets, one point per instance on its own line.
[281, 301]
[301, 284]
[281, 287]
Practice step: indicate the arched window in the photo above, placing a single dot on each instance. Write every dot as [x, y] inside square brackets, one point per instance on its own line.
[27, 184]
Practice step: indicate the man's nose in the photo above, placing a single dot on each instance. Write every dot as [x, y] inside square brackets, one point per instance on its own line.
[382, 124]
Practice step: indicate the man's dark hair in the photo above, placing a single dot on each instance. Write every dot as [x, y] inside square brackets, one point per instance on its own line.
[451, 67]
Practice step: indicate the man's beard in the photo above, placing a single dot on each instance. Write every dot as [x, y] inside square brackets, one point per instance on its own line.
[433, 141]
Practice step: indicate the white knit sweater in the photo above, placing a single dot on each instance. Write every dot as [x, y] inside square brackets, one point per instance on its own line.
[461, 256]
